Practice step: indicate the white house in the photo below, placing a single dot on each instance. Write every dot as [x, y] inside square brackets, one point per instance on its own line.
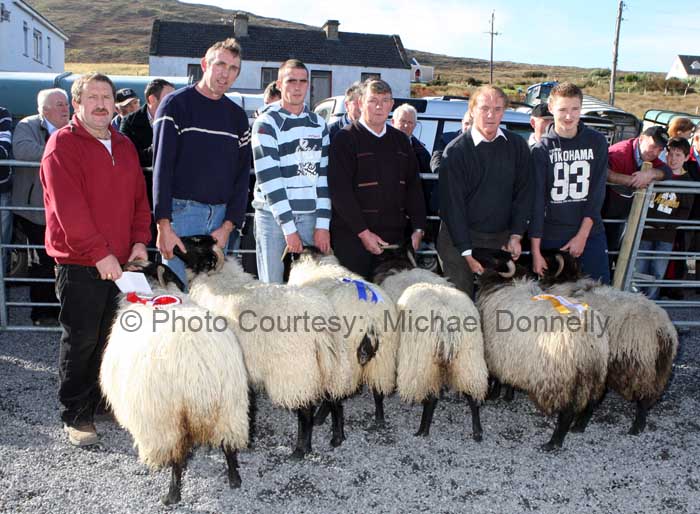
[685, 67]
[28, 41]
[334, 59]
[421, 73]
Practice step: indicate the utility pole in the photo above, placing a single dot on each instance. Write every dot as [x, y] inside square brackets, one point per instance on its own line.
[492, 33]
[613, 73]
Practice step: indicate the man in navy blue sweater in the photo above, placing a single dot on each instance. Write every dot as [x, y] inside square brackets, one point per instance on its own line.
[571, 163]
[201, 157]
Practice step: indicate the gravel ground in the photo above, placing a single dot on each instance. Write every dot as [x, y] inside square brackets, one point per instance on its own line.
[388, 470]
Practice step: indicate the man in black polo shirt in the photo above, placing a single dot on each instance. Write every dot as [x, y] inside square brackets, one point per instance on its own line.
[485, 192]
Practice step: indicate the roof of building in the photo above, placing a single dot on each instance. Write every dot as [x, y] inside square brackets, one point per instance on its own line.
[274, 44]
[691, 63]
[33, 12]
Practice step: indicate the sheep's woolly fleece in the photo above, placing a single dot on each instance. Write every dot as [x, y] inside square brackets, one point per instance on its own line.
[599, 472]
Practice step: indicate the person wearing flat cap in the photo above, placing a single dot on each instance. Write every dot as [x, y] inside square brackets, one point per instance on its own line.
[540, 120]
[127, 101]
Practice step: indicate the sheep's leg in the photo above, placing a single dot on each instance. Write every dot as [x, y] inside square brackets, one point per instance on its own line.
[378, 408]
[173, 495]
[252, 415]
[563, 423]
[476, 419]
[338, 422]
[426, 418]
[508, 392]
[322, 413]
[583, 419]
[494, 389]
[640, 421]
[305, 425]
[234, 478]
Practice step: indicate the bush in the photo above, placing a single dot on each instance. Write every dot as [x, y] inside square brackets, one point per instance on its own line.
[600, 73]
[471, 81]
[633, 77]
[534, 74]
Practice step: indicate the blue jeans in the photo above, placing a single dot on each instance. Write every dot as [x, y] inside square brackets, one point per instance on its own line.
[656, 267]
[5, 227]
[270, 242]
[594, 260]
[190, 218]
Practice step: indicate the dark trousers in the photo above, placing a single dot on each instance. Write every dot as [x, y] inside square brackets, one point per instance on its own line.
[454, 265]
[88, 308]
[593, 260]
[40, 292]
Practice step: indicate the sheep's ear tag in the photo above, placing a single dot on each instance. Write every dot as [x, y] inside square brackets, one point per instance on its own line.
[157, 302]
[561, 304]
[364, 291]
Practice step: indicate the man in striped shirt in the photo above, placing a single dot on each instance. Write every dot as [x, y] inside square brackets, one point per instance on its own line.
[201, 157]
[291, 201]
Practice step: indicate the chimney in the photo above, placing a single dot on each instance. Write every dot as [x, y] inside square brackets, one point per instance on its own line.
[240, 25]
[331, 30]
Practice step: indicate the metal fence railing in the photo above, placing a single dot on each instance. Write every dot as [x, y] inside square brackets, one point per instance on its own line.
[624, 274]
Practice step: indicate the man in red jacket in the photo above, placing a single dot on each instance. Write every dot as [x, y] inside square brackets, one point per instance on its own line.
[97, 219]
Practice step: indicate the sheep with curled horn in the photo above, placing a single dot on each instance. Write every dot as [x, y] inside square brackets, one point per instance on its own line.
[371, 342]
[643, 341]
[296, 365]
[447, 355]
[172, 388]
[561, 368]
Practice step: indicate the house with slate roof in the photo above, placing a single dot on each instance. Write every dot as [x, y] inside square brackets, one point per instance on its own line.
[335, 59]
[685, 67]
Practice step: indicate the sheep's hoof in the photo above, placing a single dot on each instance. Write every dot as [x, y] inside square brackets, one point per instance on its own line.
[550, 447]
[421, 433]
[234, 482]
[578, 429]
[337, 441]
[171, 498]
[297, 454]
[635, 430]
[478, 437]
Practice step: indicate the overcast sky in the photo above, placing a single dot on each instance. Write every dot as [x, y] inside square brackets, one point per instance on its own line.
[576, 33]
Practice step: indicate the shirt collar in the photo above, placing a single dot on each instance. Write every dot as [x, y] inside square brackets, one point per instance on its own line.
[376, 134]
[49, 127]
[150, 118]
[478, 137]
[638, 155]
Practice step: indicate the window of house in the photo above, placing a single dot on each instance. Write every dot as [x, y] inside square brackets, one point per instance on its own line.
[267, 75]
[26, 39]
[38, 54]
[366, 76]
[48, 51]
[194, 71]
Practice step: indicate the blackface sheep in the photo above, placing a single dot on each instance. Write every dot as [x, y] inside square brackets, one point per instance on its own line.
[643, 341]
[447, 350]
[370, 341]
[292, 348]
[553, 349]
[172, 385]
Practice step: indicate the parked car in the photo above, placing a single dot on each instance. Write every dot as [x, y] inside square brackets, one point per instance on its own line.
[626, 124]
[664, 118]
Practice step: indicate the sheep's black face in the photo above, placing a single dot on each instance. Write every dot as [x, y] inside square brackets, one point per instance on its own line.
[159, 273]
[561, 267]
[202, 254]
[393, 260]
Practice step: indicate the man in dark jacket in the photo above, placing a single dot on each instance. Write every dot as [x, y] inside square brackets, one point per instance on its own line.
[352, 110]
[374, 185]
[445, 139]
[485, 193]
[138, 126]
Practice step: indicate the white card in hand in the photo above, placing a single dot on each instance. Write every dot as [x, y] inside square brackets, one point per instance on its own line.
[132, 282]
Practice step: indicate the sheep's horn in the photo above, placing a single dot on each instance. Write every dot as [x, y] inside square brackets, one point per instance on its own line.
[411, 258]
[560, 261]
[160, 272]
[138, 264]
[392, 246]
[284, 253]
[510, 272]
[220, 258]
